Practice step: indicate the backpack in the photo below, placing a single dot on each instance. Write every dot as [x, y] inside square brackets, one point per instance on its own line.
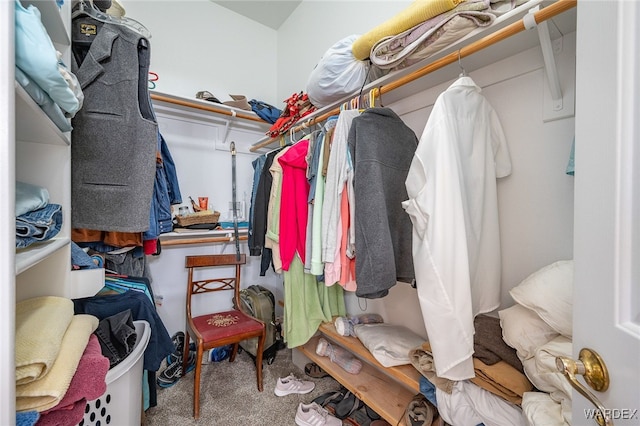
[267, 112]
[259, 302]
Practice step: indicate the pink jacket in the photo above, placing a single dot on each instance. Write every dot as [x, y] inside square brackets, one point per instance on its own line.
[293, 203]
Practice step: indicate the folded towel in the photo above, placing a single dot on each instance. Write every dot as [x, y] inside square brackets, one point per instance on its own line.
[488, 345]
[88, 383]
[500, 379]
[30, 197]
[27, 418]
[417, 12]
[37, 346]
[71, 415]
[48, 391]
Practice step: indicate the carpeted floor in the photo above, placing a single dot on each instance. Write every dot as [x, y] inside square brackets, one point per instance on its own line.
[229, 395]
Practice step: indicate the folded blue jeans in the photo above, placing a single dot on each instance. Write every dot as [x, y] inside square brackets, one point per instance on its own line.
[38, 225]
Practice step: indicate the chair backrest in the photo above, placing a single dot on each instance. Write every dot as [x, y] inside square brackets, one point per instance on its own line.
[213, 284]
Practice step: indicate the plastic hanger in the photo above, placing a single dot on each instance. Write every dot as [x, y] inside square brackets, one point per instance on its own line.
[463, 73]
[153, 77]
[92, 11]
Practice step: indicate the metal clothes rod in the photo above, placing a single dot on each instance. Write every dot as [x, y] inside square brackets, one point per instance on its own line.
[211, 108]
[547, 13]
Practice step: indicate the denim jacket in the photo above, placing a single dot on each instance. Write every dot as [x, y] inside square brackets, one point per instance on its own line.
[166, 192]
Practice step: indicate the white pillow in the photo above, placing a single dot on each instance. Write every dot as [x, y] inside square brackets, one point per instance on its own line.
[542, 372]
[549, 293]
[389, 344]
[524, 330]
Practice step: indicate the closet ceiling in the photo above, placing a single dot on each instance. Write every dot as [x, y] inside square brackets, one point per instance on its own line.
[269, 13]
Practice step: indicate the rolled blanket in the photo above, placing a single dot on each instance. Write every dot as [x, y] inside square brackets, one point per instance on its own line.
[48, 391]
[422, 359]
[417, 12]
[37, 346]
[426, 38]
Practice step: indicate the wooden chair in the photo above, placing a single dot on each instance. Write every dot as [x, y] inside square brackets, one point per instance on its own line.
[217, 329]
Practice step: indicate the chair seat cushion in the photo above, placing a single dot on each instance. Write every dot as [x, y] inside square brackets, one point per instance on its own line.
[221, 325]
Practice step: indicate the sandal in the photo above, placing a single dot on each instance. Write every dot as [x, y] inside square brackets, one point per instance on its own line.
[358, 418]
[313, 370]
[329, 400]
[347, 406]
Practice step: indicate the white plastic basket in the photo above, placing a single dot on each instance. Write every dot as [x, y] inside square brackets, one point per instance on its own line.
[121, 404]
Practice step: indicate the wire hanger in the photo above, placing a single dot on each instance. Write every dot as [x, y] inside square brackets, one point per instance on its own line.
[92, 11]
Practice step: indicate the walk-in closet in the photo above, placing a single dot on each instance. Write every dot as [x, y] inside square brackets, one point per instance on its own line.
[312, 213]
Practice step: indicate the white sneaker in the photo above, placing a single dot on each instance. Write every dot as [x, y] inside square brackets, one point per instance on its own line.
[292, 384]
[315, 415]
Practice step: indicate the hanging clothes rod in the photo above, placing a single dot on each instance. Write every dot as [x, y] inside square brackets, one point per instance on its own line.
[548, 12]
[201, 240]
[210, 108]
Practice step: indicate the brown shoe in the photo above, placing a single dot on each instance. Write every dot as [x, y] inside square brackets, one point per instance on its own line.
[420, 412]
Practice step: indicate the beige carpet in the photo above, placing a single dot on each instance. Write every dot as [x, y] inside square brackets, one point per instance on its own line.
[229, 395]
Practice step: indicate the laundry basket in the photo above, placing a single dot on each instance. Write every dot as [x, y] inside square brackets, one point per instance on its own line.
[121, 404]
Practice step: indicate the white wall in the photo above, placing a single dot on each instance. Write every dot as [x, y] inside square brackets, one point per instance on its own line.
[199, 145]
[197, 45]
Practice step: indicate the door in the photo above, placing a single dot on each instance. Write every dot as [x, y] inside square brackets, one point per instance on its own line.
[607, 203]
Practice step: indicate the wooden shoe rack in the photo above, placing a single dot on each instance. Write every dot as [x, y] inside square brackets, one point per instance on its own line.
[387, 390]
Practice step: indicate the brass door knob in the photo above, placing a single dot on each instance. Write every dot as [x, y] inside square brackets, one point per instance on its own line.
[590, 366]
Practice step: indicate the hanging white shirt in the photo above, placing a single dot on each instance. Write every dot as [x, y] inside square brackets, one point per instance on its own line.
[453, 206]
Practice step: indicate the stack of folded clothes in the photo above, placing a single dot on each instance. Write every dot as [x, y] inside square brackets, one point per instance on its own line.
[59, 367]
[424, 28]
[36, 219]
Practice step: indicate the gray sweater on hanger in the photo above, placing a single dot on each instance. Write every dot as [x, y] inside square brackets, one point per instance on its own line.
[382, 148]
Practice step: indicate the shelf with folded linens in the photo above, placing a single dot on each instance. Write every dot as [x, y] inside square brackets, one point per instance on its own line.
[505, 37]
[387, 390]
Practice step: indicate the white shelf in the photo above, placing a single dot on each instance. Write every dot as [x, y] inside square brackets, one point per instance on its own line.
[35, 253]
[563, 23]
[33, 124]
[85, 283]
